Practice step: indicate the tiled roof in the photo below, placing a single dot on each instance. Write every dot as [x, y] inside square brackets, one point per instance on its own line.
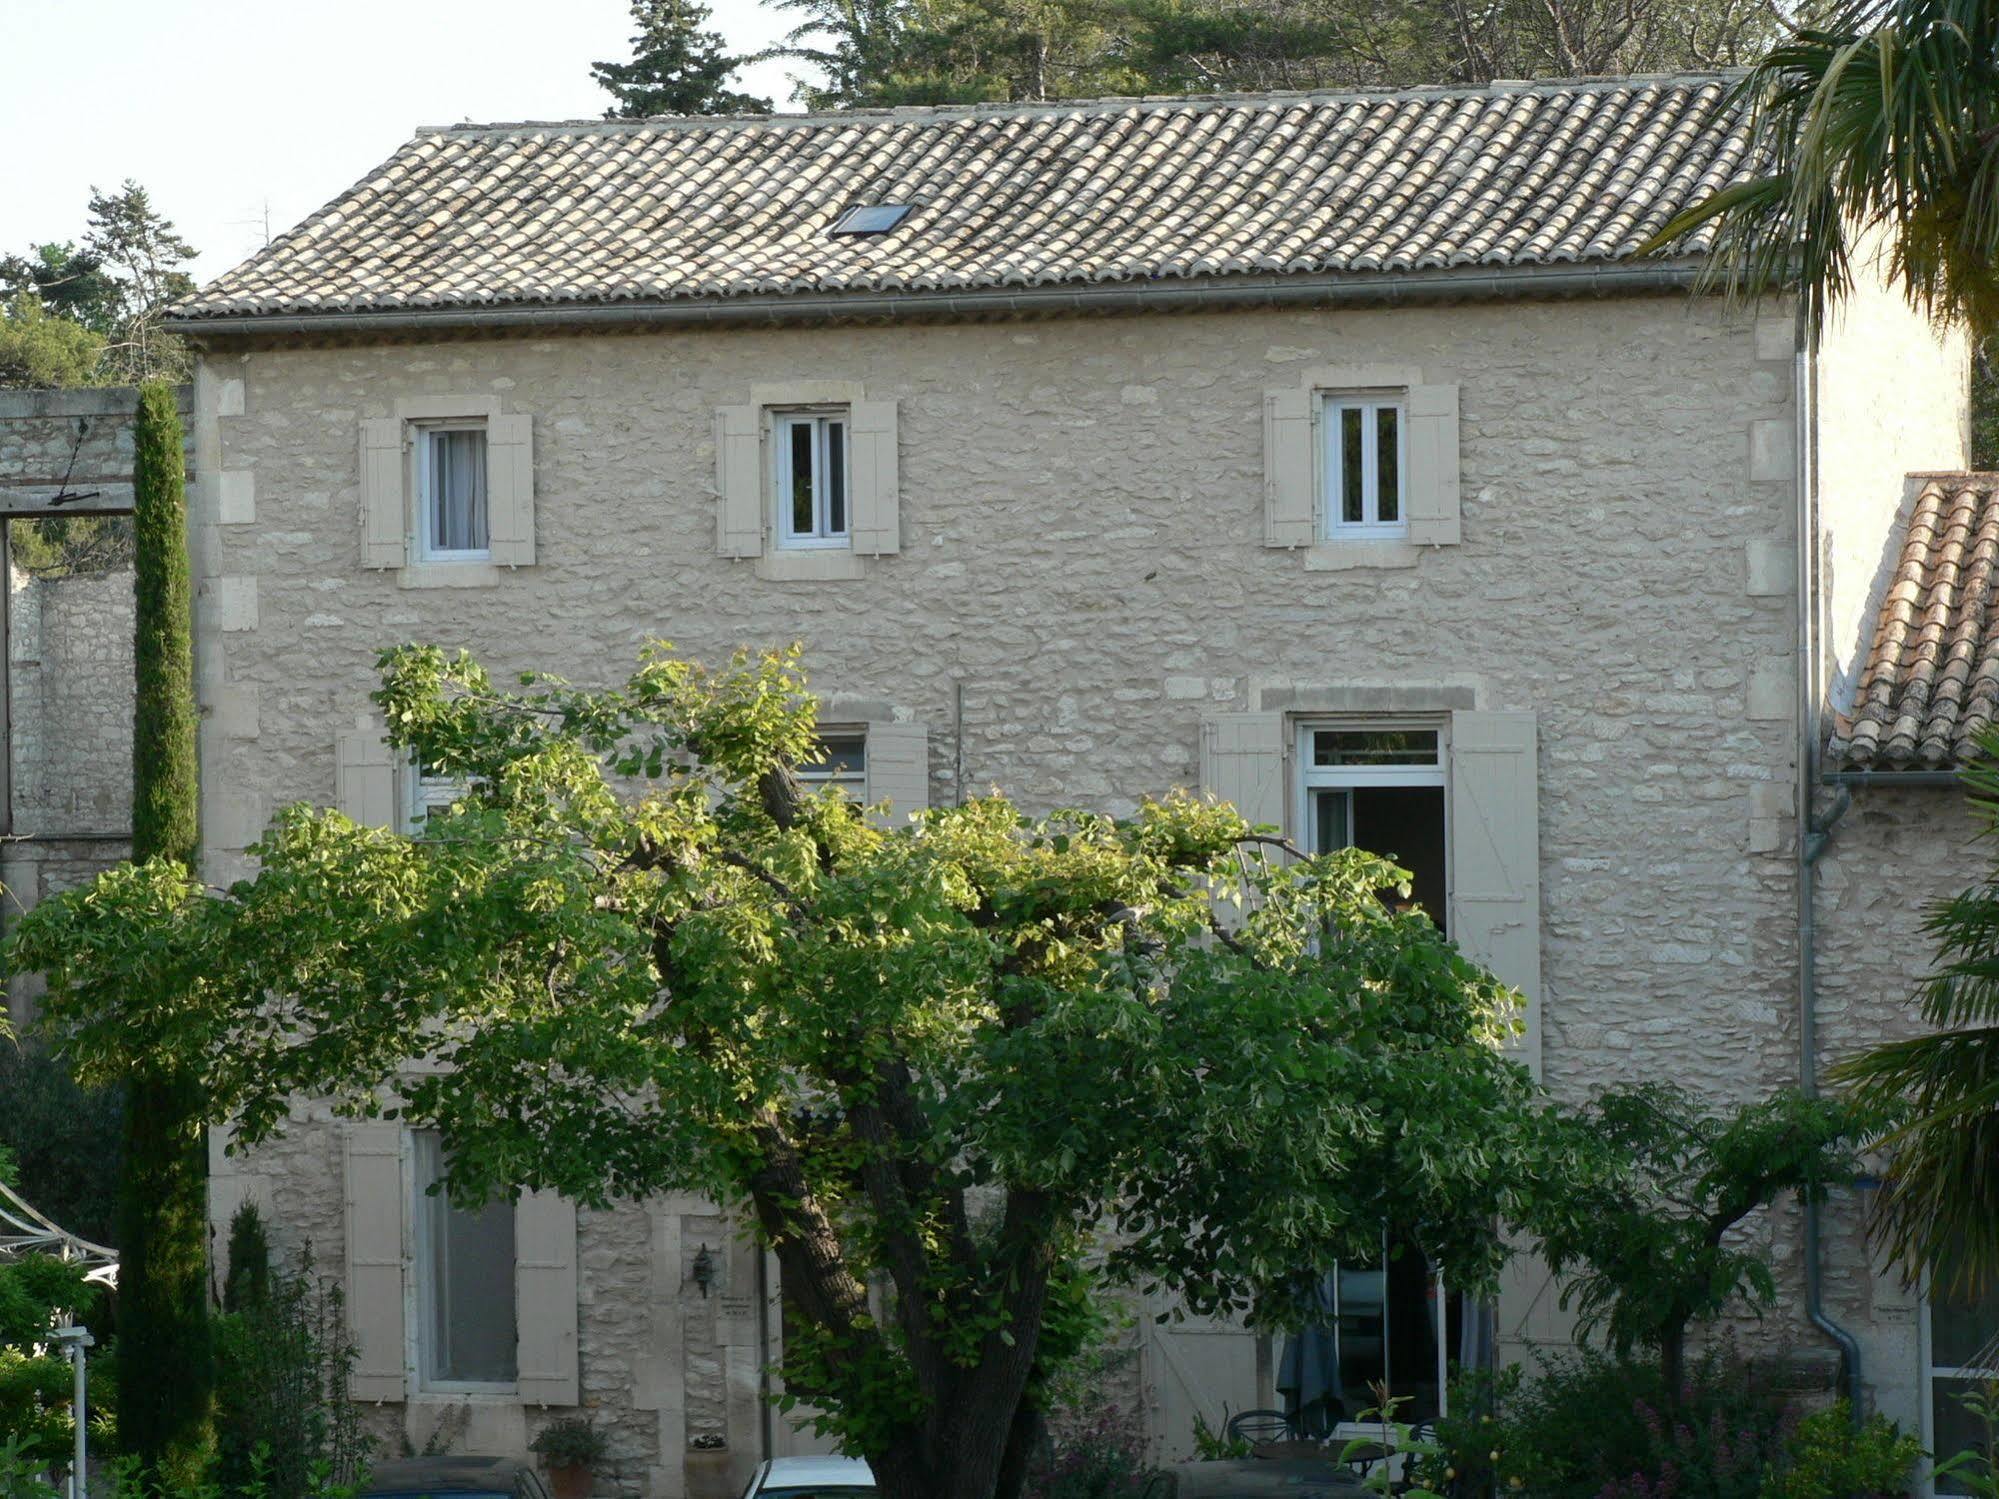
[1012, 196]
[1932, 678]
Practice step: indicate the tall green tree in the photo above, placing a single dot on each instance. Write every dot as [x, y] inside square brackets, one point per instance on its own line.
[129, 237]
[679, 67]
[70, 283]
[933, 1059]
[163, 1339]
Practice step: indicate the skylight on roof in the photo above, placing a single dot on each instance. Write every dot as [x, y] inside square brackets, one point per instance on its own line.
[871, 218]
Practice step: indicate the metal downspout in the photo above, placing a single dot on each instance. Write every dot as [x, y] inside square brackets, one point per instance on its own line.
[1813, 833]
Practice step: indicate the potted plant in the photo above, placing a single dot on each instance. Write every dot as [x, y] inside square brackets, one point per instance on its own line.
[572, 1448]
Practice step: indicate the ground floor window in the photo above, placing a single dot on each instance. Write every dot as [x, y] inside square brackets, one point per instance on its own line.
[1963, 1344]
[466, 1331]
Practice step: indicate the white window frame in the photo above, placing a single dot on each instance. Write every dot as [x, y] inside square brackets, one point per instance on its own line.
[1311, 778]
[422, 435]
[423, 794]
[1931, 1372]
[1333, 526]
[816, 776]
[419, 1285]
[822, 537]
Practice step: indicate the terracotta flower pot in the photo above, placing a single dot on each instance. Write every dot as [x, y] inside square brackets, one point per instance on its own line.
[571, 1481]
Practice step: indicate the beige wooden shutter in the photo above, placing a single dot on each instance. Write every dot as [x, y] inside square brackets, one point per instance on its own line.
[384, 509]
[545, 1297]
[1290, 490]
[1495, 854]
[739, 482]
[899, 768]
[374, 1200]
[364, 784]
[877, 488]
[510, 489]
[1433, 465]
[1242, 762]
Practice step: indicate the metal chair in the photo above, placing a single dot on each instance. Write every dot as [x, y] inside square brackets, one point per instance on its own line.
[1260, 1426]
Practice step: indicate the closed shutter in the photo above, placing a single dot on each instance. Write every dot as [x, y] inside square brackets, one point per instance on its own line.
[877, 524]
[739, 482]
[899, 768]
[545, 1298]
[1242, 762]
[365, 777]
[1433, 465]
[510, 489]
[1495, 854]
[374, 1199]
[1290, 493]
[384, 510]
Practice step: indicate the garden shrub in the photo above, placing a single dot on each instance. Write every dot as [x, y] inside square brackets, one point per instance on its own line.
[1098, 1456]
[36, 1425]
[283, 1357]
[1589, 1426]
[1827, 1456]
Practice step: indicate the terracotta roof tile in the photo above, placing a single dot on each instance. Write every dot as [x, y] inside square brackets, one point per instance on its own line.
[1005, 196]
[1931, 682]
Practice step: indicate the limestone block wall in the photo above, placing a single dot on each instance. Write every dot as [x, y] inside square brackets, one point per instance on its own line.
[1082, 577]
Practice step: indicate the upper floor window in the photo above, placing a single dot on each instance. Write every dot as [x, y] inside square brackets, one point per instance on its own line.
[811, 478]
[1362, 475]
[1379, 787]
[425, 792]
[452, 515]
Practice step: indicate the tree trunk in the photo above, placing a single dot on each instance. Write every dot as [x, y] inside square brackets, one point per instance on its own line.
[1673, 1359]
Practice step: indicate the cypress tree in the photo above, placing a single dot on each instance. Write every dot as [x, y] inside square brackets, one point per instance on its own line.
[165, 1372]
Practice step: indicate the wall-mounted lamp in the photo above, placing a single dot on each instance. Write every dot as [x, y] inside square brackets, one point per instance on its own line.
[704, 1270]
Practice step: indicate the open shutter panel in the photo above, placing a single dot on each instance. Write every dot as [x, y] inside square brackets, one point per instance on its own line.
[374, 1194]
[899, 768]
[1495, 855]
[877, 523]
[510, 489]
[384, 516]
[1242, 762]
[1433, 465]
[739, 482]
[365, 777]
[545, 1297]
[1290, 511]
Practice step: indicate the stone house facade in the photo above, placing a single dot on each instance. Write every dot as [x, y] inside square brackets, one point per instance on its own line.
[1332, 453]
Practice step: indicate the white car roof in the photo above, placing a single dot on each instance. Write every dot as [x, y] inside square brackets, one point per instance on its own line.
[852, 1472]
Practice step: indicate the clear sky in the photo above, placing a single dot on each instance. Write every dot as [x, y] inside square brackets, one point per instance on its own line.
[228, 109]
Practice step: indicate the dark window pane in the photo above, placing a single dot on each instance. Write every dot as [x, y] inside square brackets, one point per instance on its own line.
[1387, 470]
[1329, 815]
[1374, 747]
[801, 478]
[836, 478]
[841, 756]
[1957, 1430]
[1964, 1329]
[1350, 464]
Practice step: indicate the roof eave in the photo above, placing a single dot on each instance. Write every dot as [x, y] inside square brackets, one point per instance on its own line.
[1366, 289]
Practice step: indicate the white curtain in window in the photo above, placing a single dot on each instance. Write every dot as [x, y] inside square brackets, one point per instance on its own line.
[458, 489]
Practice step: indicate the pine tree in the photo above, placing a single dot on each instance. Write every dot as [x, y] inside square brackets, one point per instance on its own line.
[127, 235]
[165, 1372]
[677, 67]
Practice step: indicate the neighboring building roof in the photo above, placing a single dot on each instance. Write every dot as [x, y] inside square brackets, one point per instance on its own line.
[1548, 174]
[1931, 683]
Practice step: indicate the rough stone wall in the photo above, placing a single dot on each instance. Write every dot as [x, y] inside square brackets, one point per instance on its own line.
[1082, 567]
[1892, 856]
[69, 656]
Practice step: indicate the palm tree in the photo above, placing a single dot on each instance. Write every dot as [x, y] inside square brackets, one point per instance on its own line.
[1939, 1207]
[1879, 124]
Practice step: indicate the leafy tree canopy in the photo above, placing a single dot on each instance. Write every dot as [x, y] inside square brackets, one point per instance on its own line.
[1649, 1243]
[678, 67]
[40, 350]
[942, 1058]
